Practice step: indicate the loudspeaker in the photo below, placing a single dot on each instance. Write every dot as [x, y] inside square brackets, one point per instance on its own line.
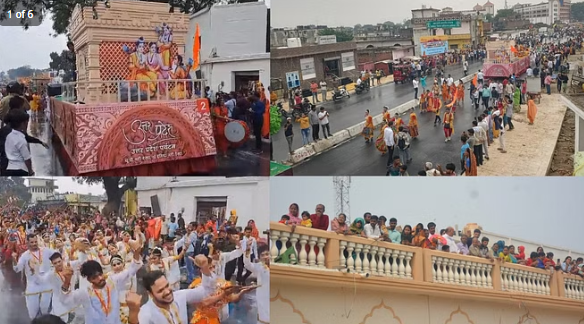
[54, 90]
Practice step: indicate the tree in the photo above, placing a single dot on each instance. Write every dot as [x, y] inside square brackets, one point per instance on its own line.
[577, 11]
[14, 187]
[22, 72]
[342, 36]
[63, 62]
[61, 10]
[114, 190]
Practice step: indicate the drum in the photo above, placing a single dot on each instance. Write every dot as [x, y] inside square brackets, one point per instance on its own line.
[237, 133]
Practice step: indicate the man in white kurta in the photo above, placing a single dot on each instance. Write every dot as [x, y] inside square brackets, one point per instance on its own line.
[156, 311]
[55, 280]
[102, 304]
[262, 272]
[35, 262]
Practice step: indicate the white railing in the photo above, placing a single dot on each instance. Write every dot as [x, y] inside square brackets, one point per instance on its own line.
[525, 280]
[574, 288]
[375, 259]
[132, 91]
[461, 272]
[308, 248]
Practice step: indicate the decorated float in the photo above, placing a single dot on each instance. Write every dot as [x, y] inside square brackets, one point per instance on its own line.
[504, 59]
[134, 109]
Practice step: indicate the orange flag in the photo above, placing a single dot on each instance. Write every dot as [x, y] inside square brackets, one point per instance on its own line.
[196, 48]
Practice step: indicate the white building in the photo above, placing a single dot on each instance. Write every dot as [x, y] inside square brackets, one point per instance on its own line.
[545, 12]
[41, 189]
[200, 197]
[486, 9]
[233, 45]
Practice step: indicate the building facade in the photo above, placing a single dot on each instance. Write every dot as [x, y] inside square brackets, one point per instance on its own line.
[41, 189]
[547, 13]
[233, 50]
[467, 32]
[198, 198]
[299, 66]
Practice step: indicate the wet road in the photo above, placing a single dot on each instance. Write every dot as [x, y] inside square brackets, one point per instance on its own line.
[362, 159]
[12, 298]
[241, 161]
[349, 112]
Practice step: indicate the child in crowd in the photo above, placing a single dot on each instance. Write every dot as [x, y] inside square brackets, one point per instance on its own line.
[306, 222]
[284, 219]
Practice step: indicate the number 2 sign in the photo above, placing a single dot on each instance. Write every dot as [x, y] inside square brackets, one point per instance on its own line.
[203, 105]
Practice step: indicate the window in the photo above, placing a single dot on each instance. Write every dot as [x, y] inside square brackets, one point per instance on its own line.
[307, 68]
[332, 67]
[210, 206]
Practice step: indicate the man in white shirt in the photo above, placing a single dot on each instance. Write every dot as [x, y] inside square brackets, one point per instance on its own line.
[371, 230]
[430, 171]
[465, 66]
[323, 116]
[529, 72]
[16, 147]
[164, 228]
[389, 139]
[323, 90]
[450, 240]
[415, 83]
[359, 82]
[480, 76]
[450, 80]
[164, 302]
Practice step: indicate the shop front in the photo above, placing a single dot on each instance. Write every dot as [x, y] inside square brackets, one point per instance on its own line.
[460, 42]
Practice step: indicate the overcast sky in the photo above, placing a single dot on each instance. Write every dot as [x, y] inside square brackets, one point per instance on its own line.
[68, 184]
[537, 209]
[334, 13]
[31, 47]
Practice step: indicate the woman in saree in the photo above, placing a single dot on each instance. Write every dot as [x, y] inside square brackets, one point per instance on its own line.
[387, 115]
[512, 254]
[399, 122]
[293, 212]
[470, 163]
[220, 120]
[413, 125]
[517, 100]
[445, 94]
[421, 239]
[369, 128]
[452, 91]
[380, 142]
[180, 72]
[154, 63]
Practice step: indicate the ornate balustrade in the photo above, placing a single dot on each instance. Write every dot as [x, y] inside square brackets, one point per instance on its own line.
[312, 249]
[132, 91]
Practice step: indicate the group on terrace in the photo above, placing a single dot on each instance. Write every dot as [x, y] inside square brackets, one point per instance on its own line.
[472, 244]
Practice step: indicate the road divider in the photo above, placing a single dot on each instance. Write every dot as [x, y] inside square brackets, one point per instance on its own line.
[349, 133]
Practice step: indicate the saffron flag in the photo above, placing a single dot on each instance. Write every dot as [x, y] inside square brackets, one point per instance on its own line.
[475, 80]
[196, 48]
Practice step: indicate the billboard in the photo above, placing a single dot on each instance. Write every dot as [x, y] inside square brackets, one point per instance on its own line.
[432, 45]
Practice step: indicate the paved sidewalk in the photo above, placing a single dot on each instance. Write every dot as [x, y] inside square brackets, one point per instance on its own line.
[350, 89]
[530, 148]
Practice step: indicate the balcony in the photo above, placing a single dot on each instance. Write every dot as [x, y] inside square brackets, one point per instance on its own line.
[329, 259]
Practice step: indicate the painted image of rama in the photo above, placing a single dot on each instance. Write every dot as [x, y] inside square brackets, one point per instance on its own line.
[152, 63]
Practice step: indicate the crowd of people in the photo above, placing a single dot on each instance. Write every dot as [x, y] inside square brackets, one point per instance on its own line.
[130, 270]
[380, 228]
[494, 102]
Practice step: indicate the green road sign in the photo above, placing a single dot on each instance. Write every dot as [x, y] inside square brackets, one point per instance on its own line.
[447, 24]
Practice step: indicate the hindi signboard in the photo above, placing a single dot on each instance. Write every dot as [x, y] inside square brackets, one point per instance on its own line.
[445, 24]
